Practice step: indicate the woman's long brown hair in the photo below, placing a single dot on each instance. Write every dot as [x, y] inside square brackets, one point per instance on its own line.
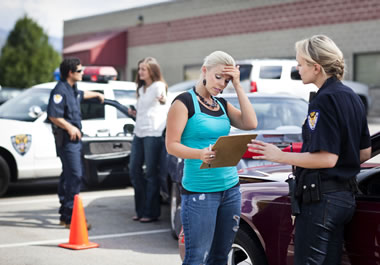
[154, 73]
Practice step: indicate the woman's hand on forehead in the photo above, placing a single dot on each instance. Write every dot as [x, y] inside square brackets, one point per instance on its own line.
[231, 72]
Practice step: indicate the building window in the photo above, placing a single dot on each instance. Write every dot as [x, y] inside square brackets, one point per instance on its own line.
[133, 74]
[367, 69]
[192, 72]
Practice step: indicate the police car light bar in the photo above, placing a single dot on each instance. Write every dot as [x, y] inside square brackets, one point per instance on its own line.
[99, 73]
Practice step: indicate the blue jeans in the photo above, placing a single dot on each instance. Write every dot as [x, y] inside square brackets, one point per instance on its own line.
[70, 180]
[147, 189]
[320, 229]
[210, 222]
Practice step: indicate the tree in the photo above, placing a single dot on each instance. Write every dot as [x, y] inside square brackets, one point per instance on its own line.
[27, 58]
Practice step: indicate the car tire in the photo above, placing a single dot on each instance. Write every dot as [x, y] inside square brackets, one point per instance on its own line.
[175, 210]
[5, 176]
[246, 250]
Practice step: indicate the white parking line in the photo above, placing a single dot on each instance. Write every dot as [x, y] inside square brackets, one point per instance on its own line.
[56, 241]
[10, 202]
[83, 196]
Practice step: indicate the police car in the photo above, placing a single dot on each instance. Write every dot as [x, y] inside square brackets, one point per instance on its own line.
[27, 148]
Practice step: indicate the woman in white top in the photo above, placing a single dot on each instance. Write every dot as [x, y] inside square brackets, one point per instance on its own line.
[151, 113]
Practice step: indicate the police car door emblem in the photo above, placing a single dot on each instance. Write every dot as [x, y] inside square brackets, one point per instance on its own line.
[312, 119]
[57, 98]
[21, 143]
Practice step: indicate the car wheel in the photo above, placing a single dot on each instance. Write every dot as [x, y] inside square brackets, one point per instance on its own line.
[246, 251]
[175, 210]
[5, 176]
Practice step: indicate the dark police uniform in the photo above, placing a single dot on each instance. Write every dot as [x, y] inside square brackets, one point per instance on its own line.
[64, 102]
[336, 123]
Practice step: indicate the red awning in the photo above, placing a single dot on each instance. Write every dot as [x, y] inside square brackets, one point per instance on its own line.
[108, 48]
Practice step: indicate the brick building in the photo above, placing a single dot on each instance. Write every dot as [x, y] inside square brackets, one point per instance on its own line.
[181, 33]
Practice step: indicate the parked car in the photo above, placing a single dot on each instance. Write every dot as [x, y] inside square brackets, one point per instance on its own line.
[280, 119]
[362, 90]
[27, 149]
[266, 232]
[180, 87]
[281, 76]
[106, 158]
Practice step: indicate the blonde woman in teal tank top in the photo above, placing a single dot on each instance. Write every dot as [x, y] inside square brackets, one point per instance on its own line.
[210, 209]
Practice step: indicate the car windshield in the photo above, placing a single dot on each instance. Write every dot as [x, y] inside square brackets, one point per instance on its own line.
[273, 112]
[26, 106]
[8, 93]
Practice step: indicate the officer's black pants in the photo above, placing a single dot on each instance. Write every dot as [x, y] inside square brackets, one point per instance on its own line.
[70, 179]
[320, 229]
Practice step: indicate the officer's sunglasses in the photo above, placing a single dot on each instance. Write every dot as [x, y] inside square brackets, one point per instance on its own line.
[78, 70]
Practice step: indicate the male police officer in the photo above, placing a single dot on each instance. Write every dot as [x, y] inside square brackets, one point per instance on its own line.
[64, 113]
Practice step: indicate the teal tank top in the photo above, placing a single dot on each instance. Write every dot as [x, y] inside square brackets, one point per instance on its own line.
[202, 130]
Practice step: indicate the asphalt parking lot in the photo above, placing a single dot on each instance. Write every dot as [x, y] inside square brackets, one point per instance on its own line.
[30, 232]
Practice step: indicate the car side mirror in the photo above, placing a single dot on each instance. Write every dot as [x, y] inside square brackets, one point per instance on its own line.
[128, 128]
[35, 111]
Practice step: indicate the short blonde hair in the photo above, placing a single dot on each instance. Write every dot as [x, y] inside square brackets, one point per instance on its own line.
[218, 58]
[320, 49]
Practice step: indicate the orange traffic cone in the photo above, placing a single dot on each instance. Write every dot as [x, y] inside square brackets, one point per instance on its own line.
[78, 229]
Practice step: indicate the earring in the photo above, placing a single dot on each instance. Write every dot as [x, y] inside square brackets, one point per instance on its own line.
[204, 82]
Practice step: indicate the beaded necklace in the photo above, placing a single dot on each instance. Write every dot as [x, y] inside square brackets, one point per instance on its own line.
[213, 105]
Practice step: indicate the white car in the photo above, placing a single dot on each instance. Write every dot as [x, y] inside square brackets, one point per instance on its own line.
[27, 148]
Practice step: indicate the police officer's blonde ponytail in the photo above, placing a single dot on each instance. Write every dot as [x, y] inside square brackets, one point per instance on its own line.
[321, 50]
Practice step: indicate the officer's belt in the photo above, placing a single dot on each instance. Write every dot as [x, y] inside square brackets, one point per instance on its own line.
[334, 185]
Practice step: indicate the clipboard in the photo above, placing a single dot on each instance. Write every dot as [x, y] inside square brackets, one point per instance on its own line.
[230, 150]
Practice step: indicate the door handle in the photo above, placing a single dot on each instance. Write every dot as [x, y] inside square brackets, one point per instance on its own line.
[117, 145]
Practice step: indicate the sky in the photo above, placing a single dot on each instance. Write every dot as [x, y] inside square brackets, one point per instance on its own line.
[50, 14]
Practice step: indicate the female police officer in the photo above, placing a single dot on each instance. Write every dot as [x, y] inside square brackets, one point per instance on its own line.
[335, 141]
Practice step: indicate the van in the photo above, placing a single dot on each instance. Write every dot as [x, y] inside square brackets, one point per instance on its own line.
[281, 76]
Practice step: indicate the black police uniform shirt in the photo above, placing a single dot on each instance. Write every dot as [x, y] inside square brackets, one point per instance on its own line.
[336, 123]
[64, 102]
